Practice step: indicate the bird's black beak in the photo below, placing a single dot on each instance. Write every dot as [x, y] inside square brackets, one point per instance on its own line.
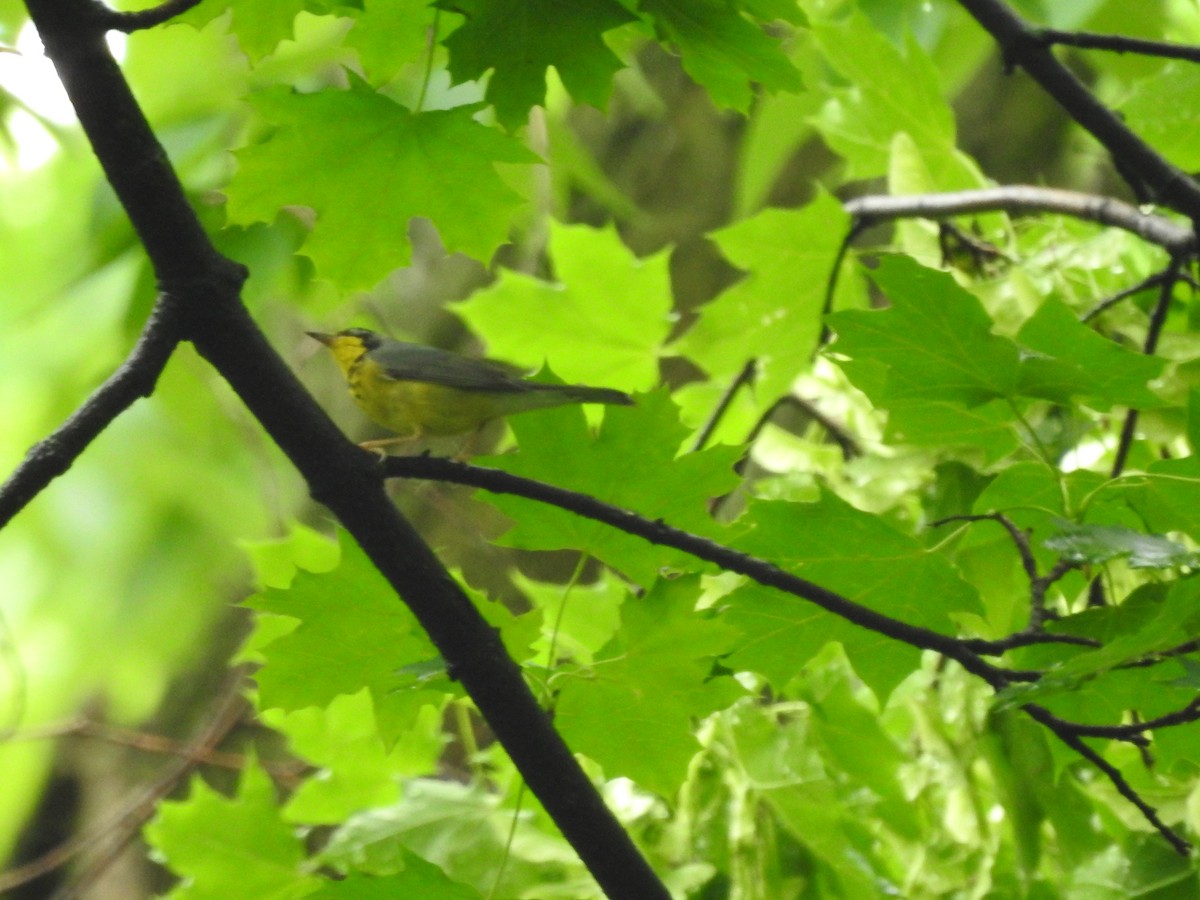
[325, 339]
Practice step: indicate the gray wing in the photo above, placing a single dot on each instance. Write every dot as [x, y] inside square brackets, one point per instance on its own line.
[415, 362]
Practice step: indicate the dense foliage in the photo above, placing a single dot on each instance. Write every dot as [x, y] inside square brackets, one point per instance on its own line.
[954, 651]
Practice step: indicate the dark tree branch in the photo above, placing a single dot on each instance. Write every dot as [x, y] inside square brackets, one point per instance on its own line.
[745, 377]
[1069, 737]
[1021, 198]
[658, 532]
[135, 378]
[1087, 40]
[129, 22]
[1038, 584]
[1023, 46]
[1135, 730]
[1158, 319]
[765, 573]
[1150, 281]
[204, 288]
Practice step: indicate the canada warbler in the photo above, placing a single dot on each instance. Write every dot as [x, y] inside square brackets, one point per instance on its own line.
[419, 391]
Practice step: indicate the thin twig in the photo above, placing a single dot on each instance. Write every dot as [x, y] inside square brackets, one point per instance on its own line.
[1022, 45]
[108, 838]
[286, 773]
[140, 20]
[1088, 40]
[1158, 318]
[1023, 198]
[112, 841]
[135, 378]
[746, 376]
[1108, 303]
[1072, 740]
[1038, 584]
[658, 532]
[1131, 732]
[858, 226]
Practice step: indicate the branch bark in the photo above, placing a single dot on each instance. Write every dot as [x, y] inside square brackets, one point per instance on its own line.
[1022, 45]
[200, 289]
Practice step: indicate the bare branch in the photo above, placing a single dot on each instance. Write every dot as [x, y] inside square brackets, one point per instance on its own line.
[1021, 198]
[1023, 46]
[107, 839]
[1087, 40]
[1124, 788]
[1158, 319]
[140, 20]
[1038, 584]
[135, 378]
[745, 377]
[1151, 281]
[660, 533]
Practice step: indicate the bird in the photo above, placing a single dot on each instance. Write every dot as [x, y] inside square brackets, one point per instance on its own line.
[418, 391]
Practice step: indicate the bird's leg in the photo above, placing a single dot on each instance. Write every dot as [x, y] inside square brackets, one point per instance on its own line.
[380, 444]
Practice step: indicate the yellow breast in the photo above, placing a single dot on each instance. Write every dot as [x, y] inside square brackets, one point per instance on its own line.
[419, 408]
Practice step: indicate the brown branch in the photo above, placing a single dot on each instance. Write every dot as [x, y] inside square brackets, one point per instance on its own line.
[106, 840]
[286, 773]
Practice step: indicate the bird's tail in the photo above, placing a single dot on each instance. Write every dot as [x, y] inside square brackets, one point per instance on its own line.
[579, 393]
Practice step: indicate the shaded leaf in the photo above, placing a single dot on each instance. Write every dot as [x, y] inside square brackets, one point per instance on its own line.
[381, 164]
[517, 42]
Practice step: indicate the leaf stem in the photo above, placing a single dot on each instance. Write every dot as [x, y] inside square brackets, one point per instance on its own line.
[429, 51]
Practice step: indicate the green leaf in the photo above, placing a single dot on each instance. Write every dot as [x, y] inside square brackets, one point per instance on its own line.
[352, 632]
[861, 118]
[602, 322]
[388, 35]
[1022, 486]
[652, 681]
[935, 338]
[775, 311]
[930, 423]
[1159, 110]
[231, 846]
[577, 619]
[357, 771]
[260, 25]
[633, 463]
[721, 49]
[1094, 544]
[861, 557]
[1077, 362]
[519, 39]
[380, 164]
[418, 878]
